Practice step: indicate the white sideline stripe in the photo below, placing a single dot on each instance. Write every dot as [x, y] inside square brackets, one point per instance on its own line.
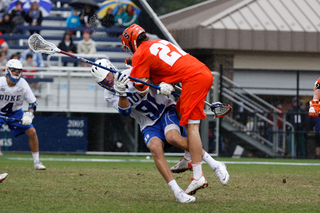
[151, 161]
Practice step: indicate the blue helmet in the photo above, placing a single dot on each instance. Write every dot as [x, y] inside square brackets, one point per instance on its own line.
[14, 64]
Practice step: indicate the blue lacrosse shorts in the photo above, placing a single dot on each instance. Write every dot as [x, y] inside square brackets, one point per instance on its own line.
[15, 127]
[169, 120]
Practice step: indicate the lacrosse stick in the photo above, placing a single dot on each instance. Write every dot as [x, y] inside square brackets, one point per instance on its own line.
[219, 109]
[39, 45]
[8, 118]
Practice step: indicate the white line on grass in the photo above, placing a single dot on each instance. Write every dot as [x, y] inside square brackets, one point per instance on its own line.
[151, 161]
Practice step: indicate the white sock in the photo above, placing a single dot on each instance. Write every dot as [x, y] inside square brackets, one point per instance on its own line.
[35, 156]
[174, 187]
[187, 155]
[197, 170]
[210, 161]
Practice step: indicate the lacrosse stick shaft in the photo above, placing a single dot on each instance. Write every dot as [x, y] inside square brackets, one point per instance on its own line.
[8, 118]
[114, 71]
[38, 44]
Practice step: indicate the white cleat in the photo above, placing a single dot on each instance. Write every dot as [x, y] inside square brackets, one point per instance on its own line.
[222, 173]
[39, 166]
[196, 185]
[182, 166]
[3, 177]
[182, 197]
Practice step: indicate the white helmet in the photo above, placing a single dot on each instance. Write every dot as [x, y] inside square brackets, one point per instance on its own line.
[14, 64]
[99, 74]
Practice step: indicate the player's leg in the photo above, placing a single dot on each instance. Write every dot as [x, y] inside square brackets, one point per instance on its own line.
[192, 99]
[195, 149]
[34, 146]
[174, 138]
[176, 135]
[155, 145]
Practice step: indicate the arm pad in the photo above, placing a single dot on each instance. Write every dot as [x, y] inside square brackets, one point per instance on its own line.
[33, 106]
[142, 89]
[124, 112]
[317, 84]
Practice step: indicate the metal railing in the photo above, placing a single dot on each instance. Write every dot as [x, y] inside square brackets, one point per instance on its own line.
[72, 89]
[257, 109]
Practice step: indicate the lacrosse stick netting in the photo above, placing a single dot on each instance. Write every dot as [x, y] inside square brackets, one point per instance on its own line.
[39, 45]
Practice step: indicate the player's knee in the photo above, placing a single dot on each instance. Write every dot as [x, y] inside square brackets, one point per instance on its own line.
[173, 138]
[31, 132]
[155, 149]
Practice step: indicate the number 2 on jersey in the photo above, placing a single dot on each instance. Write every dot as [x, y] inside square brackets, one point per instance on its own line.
[165, 53]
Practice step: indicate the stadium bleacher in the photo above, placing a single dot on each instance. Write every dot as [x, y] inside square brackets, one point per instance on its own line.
[53, 27]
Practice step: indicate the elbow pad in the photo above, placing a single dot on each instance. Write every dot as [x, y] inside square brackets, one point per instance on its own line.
[317, 84]
[142, 89]
[33, 106]
[124, 112]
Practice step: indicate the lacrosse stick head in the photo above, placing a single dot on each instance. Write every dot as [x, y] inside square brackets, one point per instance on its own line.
[39, 45]
[220, 109]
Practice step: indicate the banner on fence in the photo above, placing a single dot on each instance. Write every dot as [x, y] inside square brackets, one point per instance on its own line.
[55, 134]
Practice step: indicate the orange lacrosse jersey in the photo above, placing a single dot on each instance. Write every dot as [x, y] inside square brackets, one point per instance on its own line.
[162, 61]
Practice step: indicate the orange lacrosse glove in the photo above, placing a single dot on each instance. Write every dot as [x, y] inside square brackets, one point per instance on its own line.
[314, 108]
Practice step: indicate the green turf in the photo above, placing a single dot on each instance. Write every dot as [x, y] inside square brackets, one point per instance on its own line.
[138, 187]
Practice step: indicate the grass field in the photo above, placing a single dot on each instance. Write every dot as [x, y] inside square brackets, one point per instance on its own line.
[77, 183]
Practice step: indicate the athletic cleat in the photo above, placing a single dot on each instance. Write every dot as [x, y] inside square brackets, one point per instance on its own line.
[182, 166]
[222, 173]
[196, 185]
[182, 197]
[3, 177]
[39, 166]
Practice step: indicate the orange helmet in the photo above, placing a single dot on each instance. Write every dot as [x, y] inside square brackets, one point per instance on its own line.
[132, 36]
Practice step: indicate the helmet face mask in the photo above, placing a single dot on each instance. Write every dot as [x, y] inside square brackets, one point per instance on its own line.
[130, 37]
[14, 65]
[108, 82]
[102, 76]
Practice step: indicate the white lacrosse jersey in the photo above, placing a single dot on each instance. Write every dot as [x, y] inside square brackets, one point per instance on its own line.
[11, 98]
[146, 110]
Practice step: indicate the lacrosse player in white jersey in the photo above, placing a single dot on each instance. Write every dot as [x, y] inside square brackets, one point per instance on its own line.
[13, 91]
[158, 122]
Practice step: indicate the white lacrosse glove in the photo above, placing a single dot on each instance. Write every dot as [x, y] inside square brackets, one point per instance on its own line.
[120, 83]
[165, 89]
[27, 118]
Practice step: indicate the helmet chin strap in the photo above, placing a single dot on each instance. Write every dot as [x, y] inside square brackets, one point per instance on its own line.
[10, 76]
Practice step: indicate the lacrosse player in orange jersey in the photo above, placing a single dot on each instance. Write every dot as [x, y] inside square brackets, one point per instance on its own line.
[166, 64]
[314, 104]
